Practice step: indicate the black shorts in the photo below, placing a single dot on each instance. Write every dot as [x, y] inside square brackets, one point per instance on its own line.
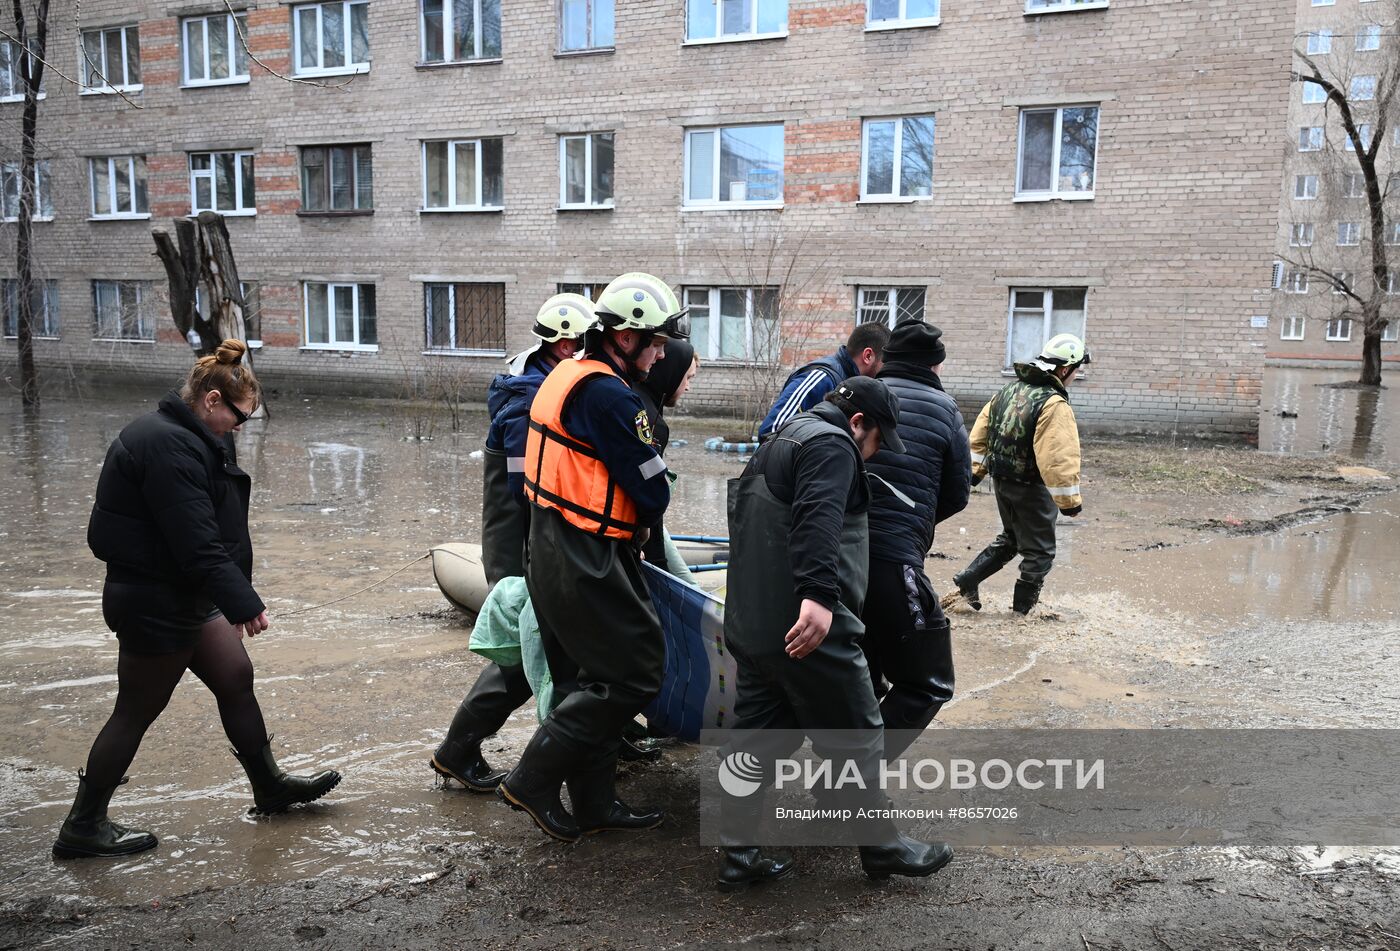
[155, 618]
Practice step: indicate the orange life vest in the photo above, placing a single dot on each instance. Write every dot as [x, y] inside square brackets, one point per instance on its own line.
[566, 474]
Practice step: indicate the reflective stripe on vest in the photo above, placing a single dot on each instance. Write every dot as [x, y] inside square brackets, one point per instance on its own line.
[566, 474]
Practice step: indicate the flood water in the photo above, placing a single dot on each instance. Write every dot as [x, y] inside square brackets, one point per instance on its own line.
[1301, 413]
[367, 685]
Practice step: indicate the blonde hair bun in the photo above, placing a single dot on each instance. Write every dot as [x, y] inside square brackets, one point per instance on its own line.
[231, 351]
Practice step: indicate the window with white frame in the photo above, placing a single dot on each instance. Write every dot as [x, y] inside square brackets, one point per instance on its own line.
[1348, 233]
[591, 291]
[340, 316]
[1339, 329]
[222, 182]
[465, 318]
[120, 311]
[118, 186]
[1055, 6]
[12, 72]
[585, 25]
[1392, 282]
[1057, 152]
[1319, 43]
[1292, 327]
[734, 19]
[1342, 281]
[889, 305]
[459, 31]
[252, 310]
[734, 165]
[1039, 313]
[1392, 232]
[1305, 187]
[214, 50]
[336, 178]
[43, 305]
[897, 158]
[1390, 333]
[586, 170]
[463, 175]
[735, 323]
[330, 38]
[10, 177]
[1313, 92]
[1311, 138]
[1297, 282]
[1353, 185]
[1364, 132]
[1362, 88]
[1368, 37]
[891, 14]
[1301, 236]
[110, 59]
[1323, 3]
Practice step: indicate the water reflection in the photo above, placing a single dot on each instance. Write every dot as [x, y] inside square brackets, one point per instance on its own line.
[1300, 413]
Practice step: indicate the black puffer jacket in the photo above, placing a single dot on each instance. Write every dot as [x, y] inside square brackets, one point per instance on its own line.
[172, 511]
[936, 471]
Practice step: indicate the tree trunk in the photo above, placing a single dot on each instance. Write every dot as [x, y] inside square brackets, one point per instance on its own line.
[31, 68]
[1370, 356]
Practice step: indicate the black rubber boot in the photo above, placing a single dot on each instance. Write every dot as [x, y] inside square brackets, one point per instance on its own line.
[1024, 597]
[904, 856]
[274, 790]
[968, 590]
[533, 786]
[597, 809]
[459, 757]
[88, 833]
[642, 750]
[741, 867]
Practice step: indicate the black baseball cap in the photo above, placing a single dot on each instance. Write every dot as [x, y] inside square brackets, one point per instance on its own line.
[874, 399]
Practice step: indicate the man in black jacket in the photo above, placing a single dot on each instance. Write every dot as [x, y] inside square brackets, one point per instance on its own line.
[906, 640]
[797, 576]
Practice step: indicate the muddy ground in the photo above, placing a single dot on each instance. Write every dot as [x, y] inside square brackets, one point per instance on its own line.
[1206, 584]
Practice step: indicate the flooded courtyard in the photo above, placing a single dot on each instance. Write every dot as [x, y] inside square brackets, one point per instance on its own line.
[1206, 584]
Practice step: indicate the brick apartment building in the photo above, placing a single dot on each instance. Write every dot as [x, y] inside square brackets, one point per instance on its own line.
[1324, 216]
[407, 180]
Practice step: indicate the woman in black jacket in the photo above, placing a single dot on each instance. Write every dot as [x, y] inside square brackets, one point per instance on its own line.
[171, 522]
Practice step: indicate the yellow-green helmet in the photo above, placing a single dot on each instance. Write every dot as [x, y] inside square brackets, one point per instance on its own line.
[1064, 350]
[564, 317]
[638, 301]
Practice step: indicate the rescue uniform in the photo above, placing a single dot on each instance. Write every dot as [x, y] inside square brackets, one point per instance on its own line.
[1027, 439]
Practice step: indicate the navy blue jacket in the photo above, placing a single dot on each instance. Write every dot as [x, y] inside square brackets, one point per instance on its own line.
[807, 387]
[508, 400]
[935, 471]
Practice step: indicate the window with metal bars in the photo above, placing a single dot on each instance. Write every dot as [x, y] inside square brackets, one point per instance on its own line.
[465, 317]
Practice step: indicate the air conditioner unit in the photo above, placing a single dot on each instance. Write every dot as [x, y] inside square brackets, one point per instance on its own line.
[1277, 281]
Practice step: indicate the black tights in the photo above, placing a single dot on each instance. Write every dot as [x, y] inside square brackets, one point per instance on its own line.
[145, 683]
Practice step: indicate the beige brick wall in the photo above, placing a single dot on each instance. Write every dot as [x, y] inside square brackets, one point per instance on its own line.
[1174, 248]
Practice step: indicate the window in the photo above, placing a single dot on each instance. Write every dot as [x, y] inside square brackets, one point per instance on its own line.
[462, 175]
[734, 165]
[889, 305]
[1391, 332]
[1302, 236]
[118, 185]
[1348, 233]
[336, 178]
[1368, 37]
[1364, 131]
[897, 159]
[1312, 92]
[1310, 138]
[1305, 187]
[222, 182]
[9, 191]
[43, 302]
[585, 25]
[1054, 6]
[331, 38]
[1339, 329]
[465, 317]
[12, 72]
[735, 323]
[1353, 185]
[1293, 327]
[1323, 3]
[591, 291]
[734, 19]
[120, 312]
[214, 50]
[341, 316]
[111, 59]
[1340, 280]
[1037, 314]
[1392, 233]
[1319, 42]
[1392, 282]
[586, 170]
[1297, 283]
[1362, 88]
[252, 310]
[457, 31]
[1057, 152]
[888, 14]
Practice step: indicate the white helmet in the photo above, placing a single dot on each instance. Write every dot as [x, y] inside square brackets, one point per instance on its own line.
[562, 317]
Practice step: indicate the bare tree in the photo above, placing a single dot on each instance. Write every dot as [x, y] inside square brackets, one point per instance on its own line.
[1360, 90]
[32, 45]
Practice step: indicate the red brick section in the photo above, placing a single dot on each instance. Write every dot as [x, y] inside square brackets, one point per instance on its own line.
[816, 18]
[160, 53]
[270, 40]
[278, 182]
[281, 315]
[168, 184]
[823, 161]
